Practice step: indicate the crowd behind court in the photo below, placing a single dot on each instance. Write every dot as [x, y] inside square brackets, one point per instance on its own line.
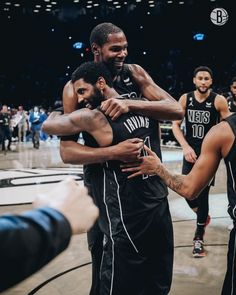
[18, 124]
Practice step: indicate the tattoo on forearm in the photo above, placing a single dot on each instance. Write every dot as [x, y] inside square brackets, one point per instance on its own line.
[173, 181]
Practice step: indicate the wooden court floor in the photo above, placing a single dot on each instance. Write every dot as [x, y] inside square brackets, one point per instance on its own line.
[26, 172]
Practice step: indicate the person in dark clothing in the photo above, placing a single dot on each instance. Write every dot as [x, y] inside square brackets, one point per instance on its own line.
[5, 128]
[134, 216]
[109, 45]
[231, 96]
[220, 142]
[32, 239]
[203, 109]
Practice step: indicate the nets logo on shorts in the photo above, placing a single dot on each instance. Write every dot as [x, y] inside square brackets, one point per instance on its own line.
[219, 16]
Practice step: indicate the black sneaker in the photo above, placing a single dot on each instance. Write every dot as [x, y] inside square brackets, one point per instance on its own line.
[198, 249]
[200, 230]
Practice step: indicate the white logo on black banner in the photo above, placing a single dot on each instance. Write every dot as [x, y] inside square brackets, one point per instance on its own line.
[219, 16]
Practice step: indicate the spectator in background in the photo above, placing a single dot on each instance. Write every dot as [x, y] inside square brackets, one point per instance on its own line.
[231, 96]
[58, 103]
[22, 123]
[35, 120]
[14, 124]
[5, 127]
[43, 135]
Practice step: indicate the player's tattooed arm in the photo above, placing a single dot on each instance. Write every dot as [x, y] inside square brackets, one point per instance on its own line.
[173, 181]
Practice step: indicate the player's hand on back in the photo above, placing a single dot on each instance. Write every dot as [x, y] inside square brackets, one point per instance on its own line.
[114, 107]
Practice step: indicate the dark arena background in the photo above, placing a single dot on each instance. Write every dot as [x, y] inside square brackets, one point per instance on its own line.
[41, 43]
[37, 38]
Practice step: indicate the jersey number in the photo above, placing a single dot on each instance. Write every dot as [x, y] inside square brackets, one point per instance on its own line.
[198, 130]
[144, 153]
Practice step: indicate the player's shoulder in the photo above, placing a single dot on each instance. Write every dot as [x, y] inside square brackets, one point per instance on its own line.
[68, 90]
[96, 114]
[183, 98]
[85, 115]
[68, 84]
[220, 102]
[134, 68]
[220, 97]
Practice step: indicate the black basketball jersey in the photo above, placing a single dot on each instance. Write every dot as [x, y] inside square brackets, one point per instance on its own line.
[125, 85]
[90, 170]
[230, 161]
[130, 204]
[127, 88]
[199, 118]
[231, 103]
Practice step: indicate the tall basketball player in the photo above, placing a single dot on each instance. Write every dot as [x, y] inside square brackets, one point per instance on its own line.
[203, 109]
[109, 44]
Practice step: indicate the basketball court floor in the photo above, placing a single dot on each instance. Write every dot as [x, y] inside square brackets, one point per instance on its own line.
[25, 172]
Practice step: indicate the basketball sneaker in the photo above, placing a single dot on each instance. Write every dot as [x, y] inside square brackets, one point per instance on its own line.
[198, 248]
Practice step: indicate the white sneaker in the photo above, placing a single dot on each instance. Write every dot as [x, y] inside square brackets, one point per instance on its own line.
[230, 227]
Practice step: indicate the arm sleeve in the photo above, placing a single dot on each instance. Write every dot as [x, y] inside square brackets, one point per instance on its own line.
[29, 241]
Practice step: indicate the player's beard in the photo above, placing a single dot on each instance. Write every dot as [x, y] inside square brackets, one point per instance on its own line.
[202, 91]
[96, 98]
